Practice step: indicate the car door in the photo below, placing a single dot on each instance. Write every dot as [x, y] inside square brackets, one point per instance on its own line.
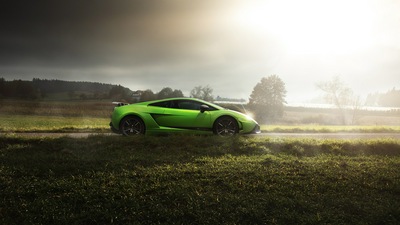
[185, 114]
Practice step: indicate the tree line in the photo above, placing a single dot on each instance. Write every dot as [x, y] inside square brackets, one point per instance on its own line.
[389, 99]
[266, 101]
[42, 88]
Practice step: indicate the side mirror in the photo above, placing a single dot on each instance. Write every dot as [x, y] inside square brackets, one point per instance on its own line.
[204, 108]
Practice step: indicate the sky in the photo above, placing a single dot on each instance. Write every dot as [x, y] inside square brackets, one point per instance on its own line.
[227, 44]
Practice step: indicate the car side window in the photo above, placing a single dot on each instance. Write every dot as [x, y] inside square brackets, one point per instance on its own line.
[191, 105]
[164, 104]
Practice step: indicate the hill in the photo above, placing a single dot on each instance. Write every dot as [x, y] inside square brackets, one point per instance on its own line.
[61, 90]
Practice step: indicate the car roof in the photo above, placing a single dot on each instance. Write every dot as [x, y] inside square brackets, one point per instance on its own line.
[181, 98]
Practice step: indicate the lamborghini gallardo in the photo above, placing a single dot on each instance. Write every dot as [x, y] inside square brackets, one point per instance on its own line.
[180, 115]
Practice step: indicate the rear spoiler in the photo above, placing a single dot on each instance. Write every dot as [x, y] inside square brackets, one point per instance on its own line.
[119, 104]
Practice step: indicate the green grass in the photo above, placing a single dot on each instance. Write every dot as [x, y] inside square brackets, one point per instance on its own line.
[28, 123]
[97, 109]
[313, 128]
[35, 123]
[77, 116]
[198, 180]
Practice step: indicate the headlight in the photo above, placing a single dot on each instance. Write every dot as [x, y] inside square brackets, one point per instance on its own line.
[250, 115]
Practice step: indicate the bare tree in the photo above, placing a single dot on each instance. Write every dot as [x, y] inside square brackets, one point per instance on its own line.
[196, 92]
[338, 94]
[356, 110]
[201, 92]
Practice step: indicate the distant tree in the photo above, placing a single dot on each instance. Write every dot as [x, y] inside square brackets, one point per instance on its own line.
[147, 95]
[2, 87]
[268, 98]
[207, 93]
[97, 95]
[196, 92]
[165, 93]
[38, 88]
[116, 91]
[83, 96]
[71, 94]
[24, 90]
[372, 99]
[119, 93]
[390, 99]
[201, 92]
[177, 94]
[338, 94]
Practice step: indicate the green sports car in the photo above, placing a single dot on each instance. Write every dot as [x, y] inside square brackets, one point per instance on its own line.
[179, 115]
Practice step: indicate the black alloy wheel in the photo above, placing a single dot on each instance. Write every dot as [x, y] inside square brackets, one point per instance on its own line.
[132, 125]
[226, 126]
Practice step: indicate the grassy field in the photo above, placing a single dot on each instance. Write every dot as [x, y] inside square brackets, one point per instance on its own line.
[198, 180]
[97, 109]
[28, 123]
[327, 116]
[314, 128]
[54, 116]
[59, 124]
[87, 116]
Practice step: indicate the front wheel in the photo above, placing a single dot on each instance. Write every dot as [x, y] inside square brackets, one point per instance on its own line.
[132, 125]
[226, 126]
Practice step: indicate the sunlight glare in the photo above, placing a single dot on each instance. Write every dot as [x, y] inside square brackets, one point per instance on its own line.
[311, 26]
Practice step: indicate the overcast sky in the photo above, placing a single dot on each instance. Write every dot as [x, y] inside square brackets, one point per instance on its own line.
[227, 44]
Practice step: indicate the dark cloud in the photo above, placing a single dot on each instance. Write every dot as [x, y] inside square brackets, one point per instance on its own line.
[76, 33]
[176, 41]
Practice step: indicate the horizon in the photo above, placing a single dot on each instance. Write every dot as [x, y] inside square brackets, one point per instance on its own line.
[314, 103]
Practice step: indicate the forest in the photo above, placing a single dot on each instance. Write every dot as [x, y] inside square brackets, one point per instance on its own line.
[84, 90]
[389, 99]
[43, 88]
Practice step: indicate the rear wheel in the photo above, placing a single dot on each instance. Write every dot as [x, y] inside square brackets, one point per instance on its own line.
[226, 126]
[132, 125]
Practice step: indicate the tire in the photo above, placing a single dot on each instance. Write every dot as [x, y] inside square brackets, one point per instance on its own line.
[225, 126]
[132, 125]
